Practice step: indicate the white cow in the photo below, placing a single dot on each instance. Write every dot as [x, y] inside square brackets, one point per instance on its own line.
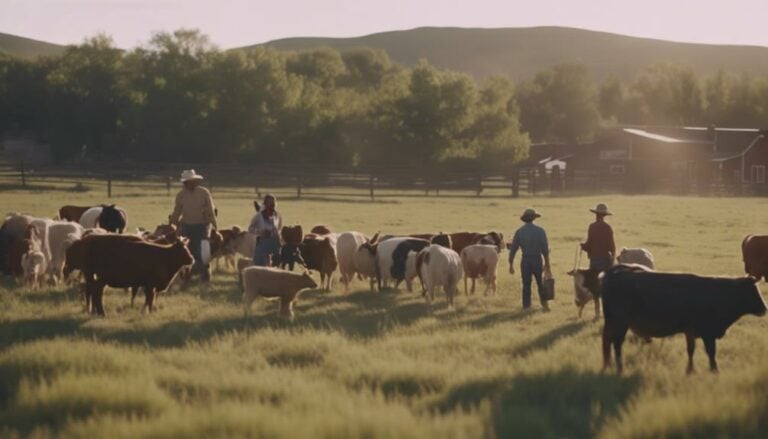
[440, 267]
[364, 259]
[61, 234]
[347, 244]
[638, 256]
[480, 261]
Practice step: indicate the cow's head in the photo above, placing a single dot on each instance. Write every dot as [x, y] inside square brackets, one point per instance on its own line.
[753, 300]
[307, 281]
[581, 288]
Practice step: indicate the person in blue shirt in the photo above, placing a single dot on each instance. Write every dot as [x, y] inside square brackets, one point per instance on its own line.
[532, 242]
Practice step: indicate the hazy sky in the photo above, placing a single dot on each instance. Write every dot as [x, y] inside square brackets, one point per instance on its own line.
[232, 23]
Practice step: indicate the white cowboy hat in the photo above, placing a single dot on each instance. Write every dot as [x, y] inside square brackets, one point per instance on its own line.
[601, 209]
[530, 214]
[190, 174]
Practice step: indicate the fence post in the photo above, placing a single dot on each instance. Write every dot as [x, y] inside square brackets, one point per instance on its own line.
[516, 183]
[168, 185]
[298, 187]
[371, 186]
[109, 185]
[23, 174]
[479, 186]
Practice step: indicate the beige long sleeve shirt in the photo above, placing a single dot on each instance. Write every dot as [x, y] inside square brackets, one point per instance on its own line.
[194, 207]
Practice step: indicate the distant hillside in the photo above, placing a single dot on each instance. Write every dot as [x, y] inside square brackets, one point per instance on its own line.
[27, 48]
[521, 52]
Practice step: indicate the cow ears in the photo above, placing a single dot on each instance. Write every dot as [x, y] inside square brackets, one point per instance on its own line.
[374, 239]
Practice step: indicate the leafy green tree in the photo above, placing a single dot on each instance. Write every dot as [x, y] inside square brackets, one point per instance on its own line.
[669, 94]
[559, 104]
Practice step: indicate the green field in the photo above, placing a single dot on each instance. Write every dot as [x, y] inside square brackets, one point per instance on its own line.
[366, 364]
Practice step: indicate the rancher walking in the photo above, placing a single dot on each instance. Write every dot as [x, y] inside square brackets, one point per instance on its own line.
[195, 216]
[266, 224]
[600, 246]
[531, 240]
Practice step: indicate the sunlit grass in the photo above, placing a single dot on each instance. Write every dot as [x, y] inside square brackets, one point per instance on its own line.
[381, 364]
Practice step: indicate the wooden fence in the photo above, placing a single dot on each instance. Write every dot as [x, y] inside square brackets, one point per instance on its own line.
[299, 179]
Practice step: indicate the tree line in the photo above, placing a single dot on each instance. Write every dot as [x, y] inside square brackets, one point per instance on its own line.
[179, 98]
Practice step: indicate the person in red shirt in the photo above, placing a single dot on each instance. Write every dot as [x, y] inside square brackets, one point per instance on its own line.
[600, 246]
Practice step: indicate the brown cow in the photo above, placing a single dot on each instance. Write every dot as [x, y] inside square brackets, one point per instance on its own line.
[125, 262]
[461, 240]
[72, 213]
[754, 251]
[319, 254]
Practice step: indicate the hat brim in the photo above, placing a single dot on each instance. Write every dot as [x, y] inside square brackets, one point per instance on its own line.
[526, 217]
[192, 178]
[600, 213]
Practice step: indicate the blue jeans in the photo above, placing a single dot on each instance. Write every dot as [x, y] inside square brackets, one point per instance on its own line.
[265, 248]
[530, 267]
[601, 264]
[196, 233]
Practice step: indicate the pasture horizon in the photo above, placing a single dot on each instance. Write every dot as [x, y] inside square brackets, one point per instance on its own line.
[380, 364]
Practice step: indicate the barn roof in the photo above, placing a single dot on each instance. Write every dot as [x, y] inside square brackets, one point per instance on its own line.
[660, 137]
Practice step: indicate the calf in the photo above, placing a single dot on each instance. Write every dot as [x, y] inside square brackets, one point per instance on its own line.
[33, 265]
[289, 251]
[274, 283]
[654, 304]
[364, 260]
[480, 261]
[440, 267]
[586, 286]
[754, 251]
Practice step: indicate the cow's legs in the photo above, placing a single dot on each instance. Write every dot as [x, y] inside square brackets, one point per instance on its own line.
[606, 345]
[97, 298]
[597, 308]
[149, 298]
[474, 280]
[581, 310]
[466, 279]
[134, 292]
[690, 342]
[618, 340]
[710, 346]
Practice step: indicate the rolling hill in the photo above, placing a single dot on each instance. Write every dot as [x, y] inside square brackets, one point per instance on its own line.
[521, 52]
[27, 47]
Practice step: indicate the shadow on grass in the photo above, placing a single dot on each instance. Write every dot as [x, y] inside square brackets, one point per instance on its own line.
[22, 331]
[547, 339]
[565, 403]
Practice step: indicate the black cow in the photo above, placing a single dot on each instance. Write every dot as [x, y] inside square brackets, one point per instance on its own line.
[400, 256]
[654, 304]
[112, 218]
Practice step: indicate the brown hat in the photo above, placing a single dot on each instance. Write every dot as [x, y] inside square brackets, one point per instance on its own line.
[529, 215]
[601, 209]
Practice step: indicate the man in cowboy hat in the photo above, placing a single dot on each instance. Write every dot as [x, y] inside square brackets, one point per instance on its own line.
[195, 215]
[532, 241]
[600, 246]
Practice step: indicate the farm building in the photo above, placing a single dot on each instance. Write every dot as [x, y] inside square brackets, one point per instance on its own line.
[657, 159]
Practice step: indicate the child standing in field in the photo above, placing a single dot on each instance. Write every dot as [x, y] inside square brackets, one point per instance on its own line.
[600, 246]
[532, 241]
[266, 224]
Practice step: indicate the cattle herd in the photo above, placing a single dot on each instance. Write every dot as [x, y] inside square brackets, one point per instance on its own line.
[633, 296]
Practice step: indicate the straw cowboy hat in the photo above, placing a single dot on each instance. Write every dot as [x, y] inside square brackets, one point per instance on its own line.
[529, 214]
[601, 209]
[190, 174]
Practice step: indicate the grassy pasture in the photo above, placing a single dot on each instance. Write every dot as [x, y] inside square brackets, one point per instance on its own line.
[381, 365]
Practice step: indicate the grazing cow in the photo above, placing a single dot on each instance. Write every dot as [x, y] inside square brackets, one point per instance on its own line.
[461, 240]
[440, 267]
[639, 256]
[365, 259]
[33, 265]
[391, 258]
[319, 254]
[480, 261]
[346, 247]
[61, 235]
[108, 217]
[274, 283]
[654, 304]
[586, 286]
[72, 213]
[754, 251]
[289, 251]
[125, 262]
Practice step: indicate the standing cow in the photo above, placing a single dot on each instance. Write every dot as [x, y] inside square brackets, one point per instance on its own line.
[654, 304]
[754, 251]
[108, 217]
[440, 267]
